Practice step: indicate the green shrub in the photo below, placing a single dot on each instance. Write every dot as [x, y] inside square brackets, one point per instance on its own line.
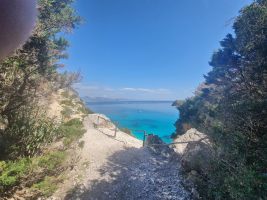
[67, 102]
[26, 134]
[83, 109]
[47, 186]
[51, 161]
[233, 182]
[74, 96]
[66, 112]
[231, 108]
[11, 172]
[71, 131]
[14, 173]
[65, 94]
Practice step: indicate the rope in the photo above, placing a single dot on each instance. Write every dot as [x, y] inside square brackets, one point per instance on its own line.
[143, 131]
[178, 142]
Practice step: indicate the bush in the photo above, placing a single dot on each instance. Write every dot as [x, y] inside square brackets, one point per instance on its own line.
[47, 186]
[51, 161]
[233, 182]
[65, 94]
[71, 131]
[23, 171]
[83, 109]
[11, 172]
[27, 133]
[66, 112]
[68, 102]
[231, 108]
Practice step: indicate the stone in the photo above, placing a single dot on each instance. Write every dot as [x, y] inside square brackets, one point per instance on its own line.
[195, 149]
[192, 135]
[197, 157]
[154, 143]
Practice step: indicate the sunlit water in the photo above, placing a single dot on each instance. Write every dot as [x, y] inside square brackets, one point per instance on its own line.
[153, 117]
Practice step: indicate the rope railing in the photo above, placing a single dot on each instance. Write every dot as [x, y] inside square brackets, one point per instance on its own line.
[116, 129]
[97, 125]
[145, 134]
[173, 143]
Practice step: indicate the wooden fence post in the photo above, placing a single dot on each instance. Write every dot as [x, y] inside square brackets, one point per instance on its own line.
[144, 138]
[116, 129]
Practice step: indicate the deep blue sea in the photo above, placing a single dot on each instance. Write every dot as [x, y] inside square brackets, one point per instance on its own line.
[153, 117]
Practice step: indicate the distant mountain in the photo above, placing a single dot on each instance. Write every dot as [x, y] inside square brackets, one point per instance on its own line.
[88, 99]
[102, 99]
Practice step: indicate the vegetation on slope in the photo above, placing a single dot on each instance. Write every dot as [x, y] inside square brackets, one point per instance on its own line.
[26, 130]
[72, 105]
[231, 108]
[31, 173]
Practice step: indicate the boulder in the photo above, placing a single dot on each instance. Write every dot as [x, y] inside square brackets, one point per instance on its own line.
[197, 156]
[192, 135]
[154, 143]
[195, 150]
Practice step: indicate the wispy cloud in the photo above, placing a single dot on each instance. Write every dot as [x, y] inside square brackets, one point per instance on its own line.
[146, 90]
[85, 87]
[124, 92]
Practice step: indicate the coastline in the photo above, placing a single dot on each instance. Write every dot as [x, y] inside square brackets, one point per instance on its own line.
[107, 130]
[156, 118]
[118, 167]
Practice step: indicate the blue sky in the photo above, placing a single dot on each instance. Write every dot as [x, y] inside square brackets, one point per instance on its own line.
[147, 49]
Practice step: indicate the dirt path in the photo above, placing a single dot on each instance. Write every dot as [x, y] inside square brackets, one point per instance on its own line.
[121, 169]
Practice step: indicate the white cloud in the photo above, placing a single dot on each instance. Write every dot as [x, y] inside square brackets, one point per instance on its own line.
[80, 86]
[146, 90]
[125, 92]
[136, 89]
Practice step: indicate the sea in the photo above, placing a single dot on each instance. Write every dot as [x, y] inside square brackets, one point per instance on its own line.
[154, 117]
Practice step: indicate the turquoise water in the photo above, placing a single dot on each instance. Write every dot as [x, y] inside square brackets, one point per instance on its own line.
[153, 117]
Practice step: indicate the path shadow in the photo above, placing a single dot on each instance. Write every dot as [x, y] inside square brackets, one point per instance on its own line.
[127, 171]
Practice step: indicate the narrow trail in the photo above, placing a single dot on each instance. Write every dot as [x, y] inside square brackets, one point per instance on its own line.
[121, 169]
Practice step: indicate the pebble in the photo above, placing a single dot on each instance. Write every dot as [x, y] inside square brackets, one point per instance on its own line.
[156, 178]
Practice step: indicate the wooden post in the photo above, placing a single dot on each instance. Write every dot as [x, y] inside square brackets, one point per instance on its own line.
[116, 129]
[144, 138]
[98, 121]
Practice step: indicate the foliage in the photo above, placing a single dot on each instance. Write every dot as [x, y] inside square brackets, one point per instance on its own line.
[25, 77]
[67, 102]
[231, 107]
[71, 131]
[47, 186]
[13, 173]
[51, 160]
[66, 112]
[71, 100]
[29, 131]
[37, 61]
[83, 109]
[65, 94]
[32, 66]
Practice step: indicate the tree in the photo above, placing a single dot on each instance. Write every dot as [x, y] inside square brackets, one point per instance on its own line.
[232, 109]
[35, 63]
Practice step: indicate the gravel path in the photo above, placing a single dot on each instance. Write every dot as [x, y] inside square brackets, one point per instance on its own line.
[121, 169]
